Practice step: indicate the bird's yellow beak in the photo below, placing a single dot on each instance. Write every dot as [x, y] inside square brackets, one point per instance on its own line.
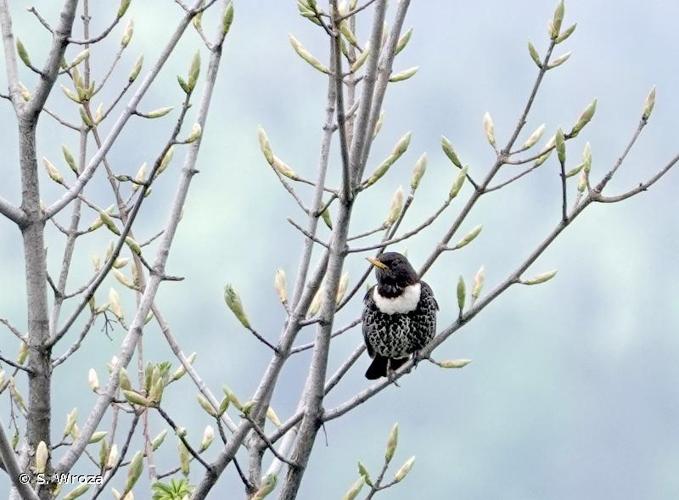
[377, 263]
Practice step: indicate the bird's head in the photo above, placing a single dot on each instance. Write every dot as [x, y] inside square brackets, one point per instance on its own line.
[393, 270]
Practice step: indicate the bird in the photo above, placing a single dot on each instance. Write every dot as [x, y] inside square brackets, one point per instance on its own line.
[399, 314]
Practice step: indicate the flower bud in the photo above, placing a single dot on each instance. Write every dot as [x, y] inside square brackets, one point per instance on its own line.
[461, 294]
[93, 380]
[206, 405]
[315, 305]
[52, 171]
[280, 286]
[361, 59]
[454, 363]
[208, 437]
[534, 137]
[23, 353]
[649, 104]
[136, 398]
[567, 33]
[127, 35]
[458, 183]
[560, 146]
[124, 4]
[468, 238]
[557, 20]
[76, 492]
[584, 118]
[264, 145]
[354, 490]
[342, 288]
[159, 113]
[418, 172]
[283, 168]
[194, 71]
[404, 470]
[378, 125]
[167, 158]
[114, 303]
[534, 55]
[70, 421]
[97, 436]
[273, 417]
[133, 245]
[307, 56]
[540, 278]
[80, 58]
[233, 302]
[587, 158]
[136, 69]
[559, 60]
[158, 440]
[392, 442]
[181, 371]
[267, 486]
[450, 152]
[70, 159]
[395, 208]
[227, 20]
[134, 471]
[479, 281]
[489, 128]
[41, 456]
[403, 75]
[196, 132]
[403, 41]
[23, 53]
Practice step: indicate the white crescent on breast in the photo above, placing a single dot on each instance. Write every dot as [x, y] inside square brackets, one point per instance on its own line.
[402, 304]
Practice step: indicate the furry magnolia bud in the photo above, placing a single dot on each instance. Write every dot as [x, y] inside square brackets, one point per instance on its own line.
[404, 470]
[395, 208]
[489, 128]
[392, 442]
[540, 278]
[234, 303]
[461, 294]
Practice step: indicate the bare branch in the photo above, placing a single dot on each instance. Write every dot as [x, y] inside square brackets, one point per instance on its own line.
[12, 467]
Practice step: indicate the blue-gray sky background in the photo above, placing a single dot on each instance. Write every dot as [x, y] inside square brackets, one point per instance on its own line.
[572, 391]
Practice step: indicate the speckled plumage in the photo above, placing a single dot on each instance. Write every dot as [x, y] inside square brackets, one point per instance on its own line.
[399, 335]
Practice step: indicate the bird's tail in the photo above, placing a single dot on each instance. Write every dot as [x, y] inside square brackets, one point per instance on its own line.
[379, 365]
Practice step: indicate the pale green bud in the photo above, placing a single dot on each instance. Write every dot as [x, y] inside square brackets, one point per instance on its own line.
[584, 118]
[395, 208]
[232, 397]
[378, 125]
[127, 35]
[109, 223]
[23, 353]
[307, 56]
[403, 41]
[133, 245]
[23, 53]
[559, 60]
[112, 456]
[181, 371]
[342, 287]
[273, 417]
[454, 363]
[76, 492]
[265, 145]
[158, 113]
[540, 278]
[41, 456]
[399, 149]
[315, 305]
[122, 279]
[208, 437]
[418, 172]
[194, 71]
[184, 459]
[348, 34]
[489, 128]
[233, 302]
[124, 4]
[649, 104]
[158, 440]
[120, 262]
[575, 171]
[468, 238]
[70, 421]
[136, 69]
[206, 405]
[136, 398]
[404, 470]
[227, 20]
[53, 171]
[557, 20]
[355, 489]
[363, 472]
[80, 57]
[479, 281]
[567, 33]
[70, 159]
[450, 152]
[361, 59]
[458, 183]
[283, 168]
[534, 137]
[404, 75]
[392, 442]
[534, 55]
[134, 471]
[587, 158]
[280, 285]
[167, 158]
[196, 132]
[325, 215]
[267, 486]
[93, 379]
[560, 146]
[97, 436]
[461, 294]
[114, 303]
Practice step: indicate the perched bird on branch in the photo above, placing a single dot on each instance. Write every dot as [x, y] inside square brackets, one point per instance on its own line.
[399, 314]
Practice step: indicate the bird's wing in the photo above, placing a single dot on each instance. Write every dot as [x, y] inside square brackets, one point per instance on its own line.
[428, 293]
[369, 310]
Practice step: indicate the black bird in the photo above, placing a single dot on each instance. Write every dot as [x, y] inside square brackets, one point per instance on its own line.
[399, 314]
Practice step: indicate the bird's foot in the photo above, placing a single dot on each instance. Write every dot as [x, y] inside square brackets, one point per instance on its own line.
[417, 356]
[391, 374]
